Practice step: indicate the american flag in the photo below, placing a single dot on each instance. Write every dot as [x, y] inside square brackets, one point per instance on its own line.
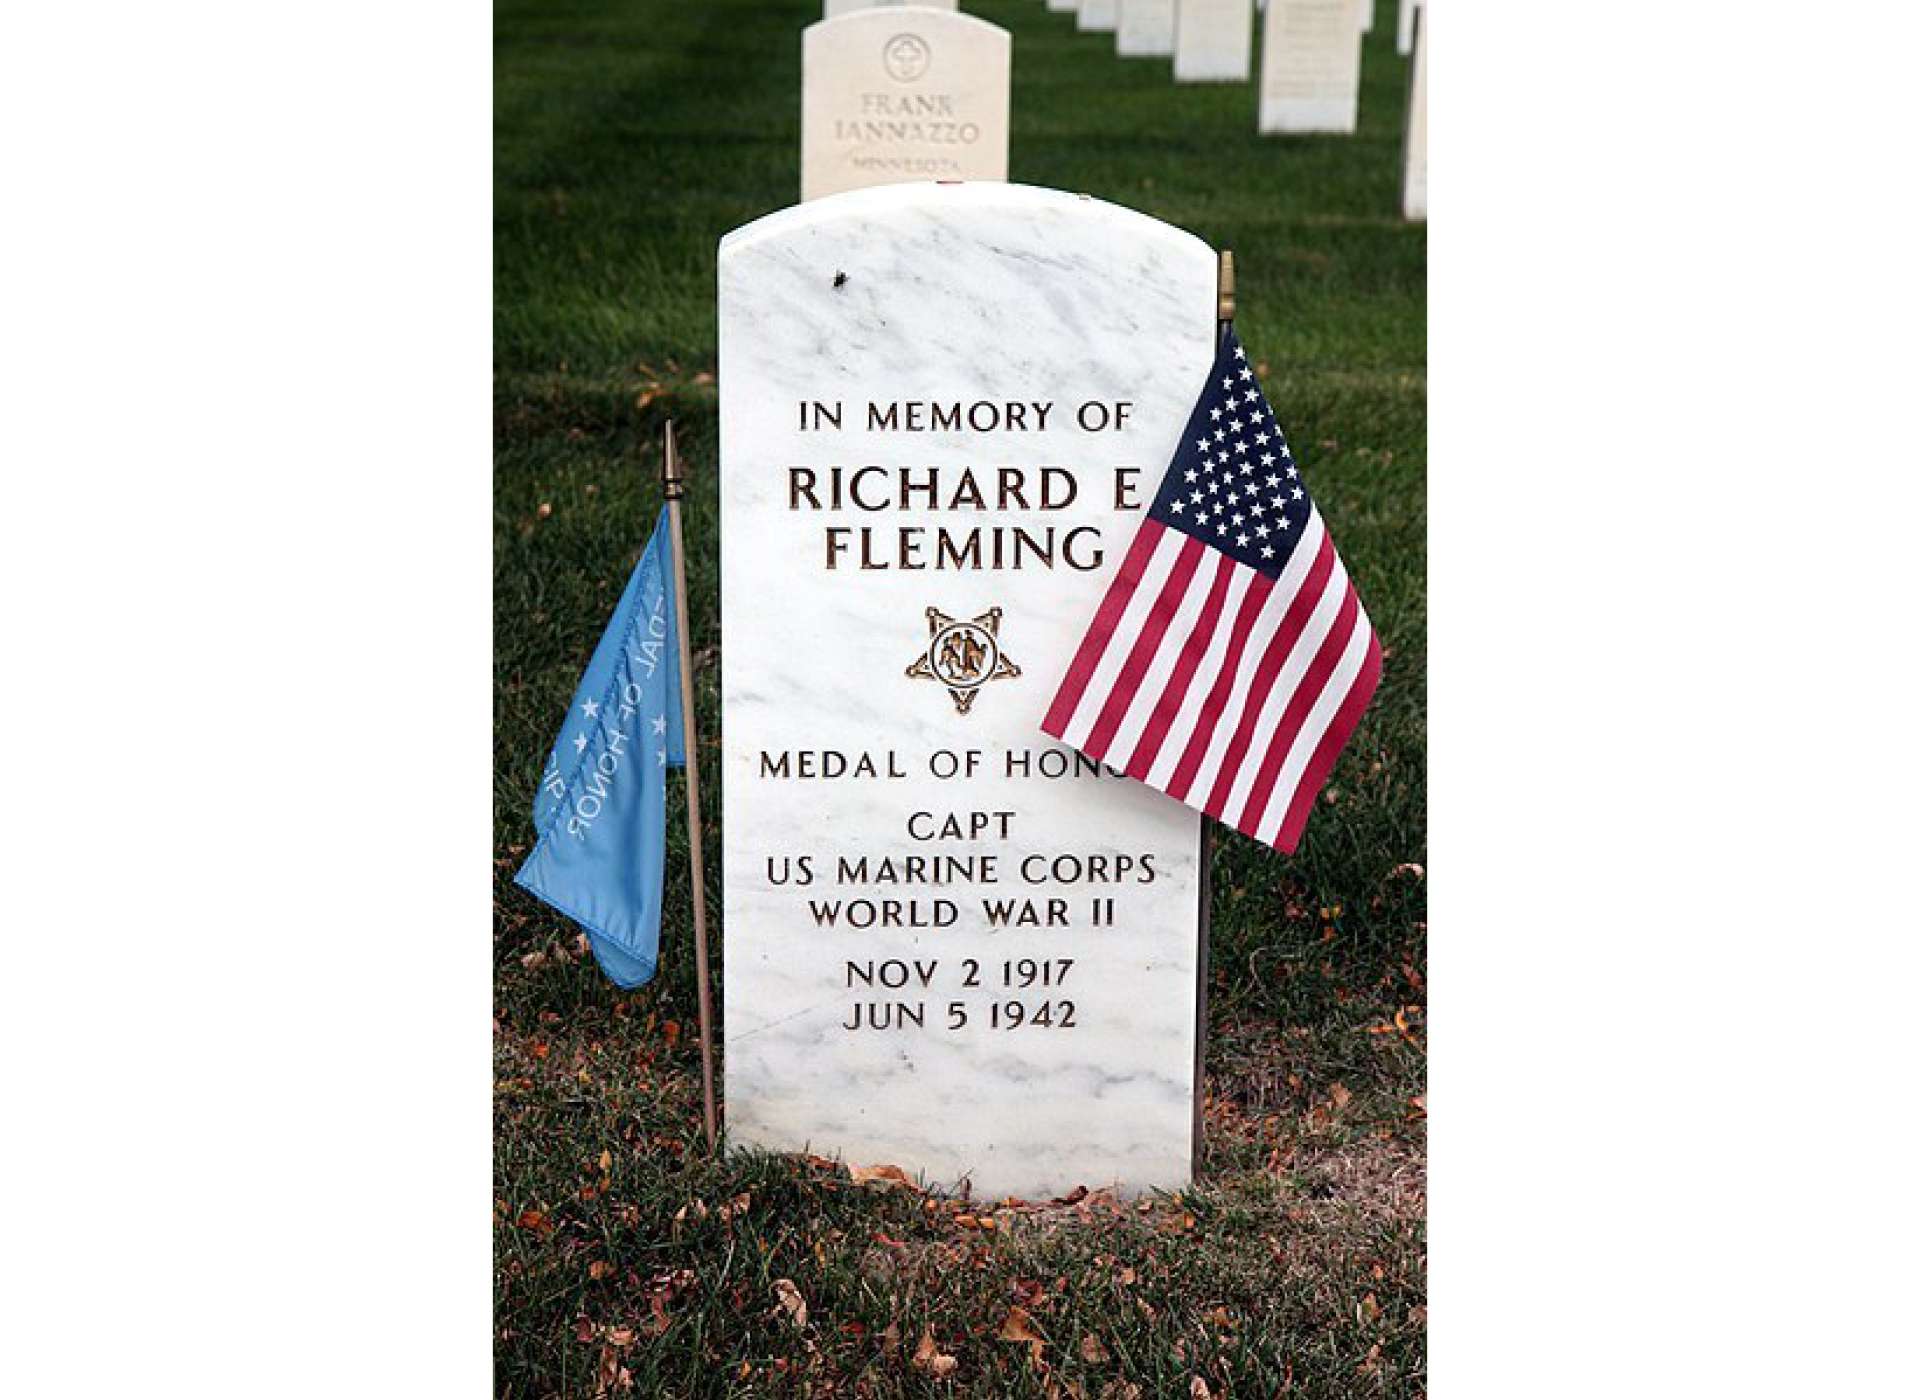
[1230, 659]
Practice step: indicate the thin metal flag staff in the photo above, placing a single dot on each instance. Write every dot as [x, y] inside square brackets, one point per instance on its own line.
[1224, 319]
[675, 484]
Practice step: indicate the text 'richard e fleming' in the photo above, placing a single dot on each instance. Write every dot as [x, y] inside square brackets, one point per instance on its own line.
[997, 490]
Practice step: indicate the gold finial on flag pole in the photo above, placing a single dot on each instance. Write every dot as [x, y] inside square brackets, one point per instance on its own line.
[1226, 285]
[675, 483]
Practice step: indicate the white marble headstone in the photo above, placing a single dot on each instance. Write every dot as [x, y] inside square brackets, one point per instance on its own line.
[1213, 41]
[1098, 16]
[1310, 67]
[1063, 6]
[847, 7]
[902, 92]
[950, 946]
[1413, 179]
[1145, 29]
[1403, 29]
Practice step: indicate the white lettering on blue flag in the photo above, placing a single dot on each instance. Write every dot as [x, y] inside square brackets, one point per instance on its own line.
[600, 810]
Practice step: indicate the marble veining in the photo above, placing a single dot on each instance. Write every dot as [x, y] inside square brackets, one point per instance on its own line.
[937, 293]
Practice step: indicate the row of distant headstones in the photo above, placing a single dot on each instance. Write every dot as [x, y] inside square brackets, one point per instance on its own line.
[898, 90]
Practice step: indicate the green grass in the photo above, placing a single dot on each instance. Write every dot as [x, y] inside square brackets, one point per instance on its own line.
[629, 137]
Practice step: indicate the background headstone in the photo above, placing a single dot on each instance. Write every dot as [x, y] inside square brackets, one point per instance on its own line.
[902, 93]
[1066, 6]
[1213, 41]
[1310, 67]
[1099, 16]
[844, 7]
[1403, 29]
[850, 330]
[1145, 29]
[1413, 180]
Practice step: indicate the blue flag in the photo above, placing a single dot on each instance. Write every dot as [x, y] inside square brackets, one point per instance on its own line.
[601, 811]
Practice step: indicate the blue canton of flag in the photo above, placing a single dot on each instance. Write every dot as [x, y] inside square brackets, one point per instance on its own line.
[601, 810]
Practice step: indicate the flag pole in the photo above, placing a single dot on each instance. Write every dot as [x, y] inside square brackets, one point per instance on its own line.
[675, 483]
[1223, 315]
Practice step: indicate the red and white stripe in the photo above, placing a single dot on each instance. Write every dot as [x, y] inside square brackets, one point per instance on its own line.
[1219, 685]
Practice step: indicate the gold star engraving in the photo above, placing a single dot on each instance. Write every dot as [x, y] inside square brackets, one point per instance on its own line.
[962, 655]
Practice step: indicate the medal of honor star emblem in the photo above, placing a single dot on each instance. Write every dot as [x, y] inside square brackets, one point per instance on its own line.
[963, 654]
[906, 57]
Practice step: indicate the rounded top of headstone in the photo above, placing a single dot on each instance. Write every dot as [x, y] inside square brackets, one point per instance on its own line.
[942, 199]
[963, 31]
[894, 14]
[834, 9]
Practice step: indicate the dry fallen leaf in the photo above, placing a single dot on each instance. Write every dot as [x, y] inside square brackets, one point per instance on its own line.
[599, 1269]
[1093, 1350]
[1018, 1327]
[1197, 1388]
[885, 1174]
[1341, 1095]
[611, 1375]
[791, 1302]
[929, 1358]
